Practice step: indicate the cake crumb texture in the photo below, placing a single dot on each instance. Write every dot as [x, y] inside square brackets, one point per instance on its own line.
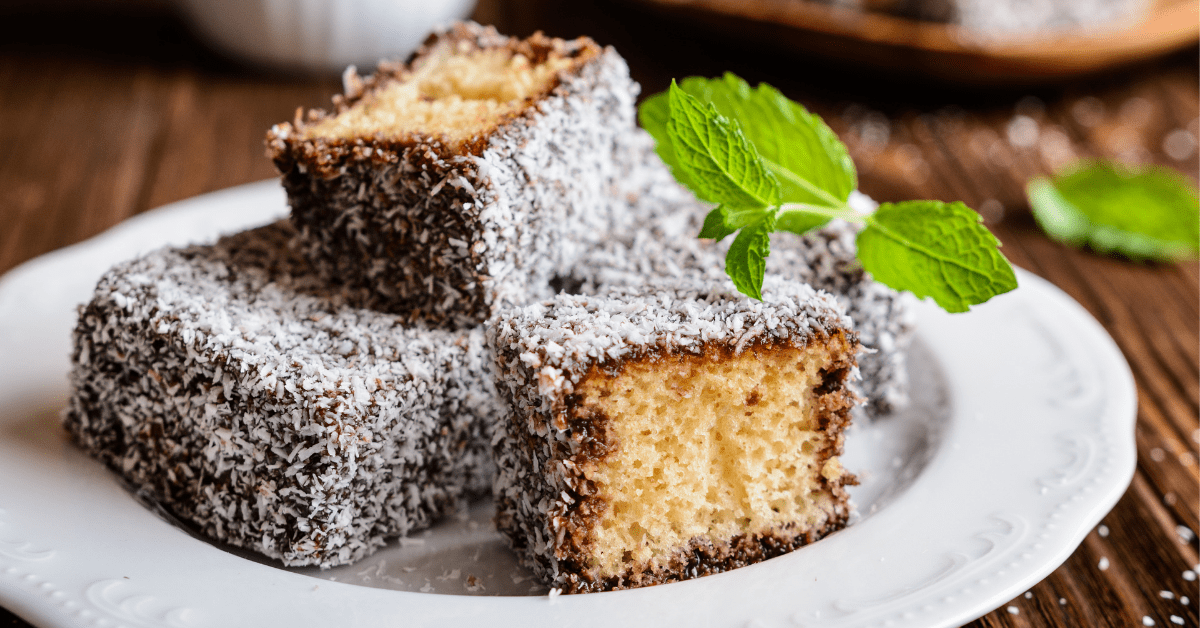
[711, 447]
[455, 91]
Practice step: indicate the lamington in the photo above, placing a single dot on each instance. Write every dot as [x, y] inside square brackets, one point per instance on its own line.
[670, 431]
[665, 245]
[238, 390]
[464, 179]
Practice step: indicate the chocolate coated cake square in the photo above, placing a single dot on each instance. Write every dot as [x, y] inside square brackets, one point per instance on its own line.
[236, 388]
[670, 431]
[466, 178]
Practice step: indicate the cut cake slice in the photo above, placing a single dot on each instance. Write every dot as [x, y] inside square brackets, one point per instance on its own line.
[464, 179]
[668, 432]
[235, 388]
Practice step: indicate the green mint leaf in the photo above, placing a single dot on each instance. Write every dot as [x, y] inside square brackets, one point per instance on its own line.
[714, 226]
[1152, 213]
[736, 218]
[935, 249]
[807, 157]
[745, 263]
[720, 164]
[654, 114]
[800, 222]
[723, 221]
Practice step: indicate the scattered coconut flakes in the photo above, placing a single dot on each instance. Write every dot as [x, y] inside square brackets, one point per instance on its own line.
[1103, 563]
[1102, 530]
[473, 584]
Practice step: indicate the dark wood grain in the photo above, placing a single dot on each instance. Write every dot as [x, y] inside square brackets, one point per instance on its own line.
[110, 109]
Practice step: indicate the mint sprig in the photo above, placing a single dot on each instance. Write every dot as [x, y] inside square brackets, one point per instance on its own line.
[769, 165]
[1147, 213]
[746, 261]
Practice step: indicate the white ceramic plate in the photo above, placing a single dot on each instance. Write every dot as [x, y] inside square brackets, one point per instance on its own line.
[1020, 440]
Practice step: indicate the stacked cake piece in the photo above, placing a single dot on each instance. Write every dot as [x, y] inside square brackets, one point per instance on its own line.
[464, 180]
[310, 388]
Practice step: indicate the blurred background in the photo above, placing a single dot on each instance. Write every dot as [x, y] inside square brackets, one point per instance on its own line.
[109, 108]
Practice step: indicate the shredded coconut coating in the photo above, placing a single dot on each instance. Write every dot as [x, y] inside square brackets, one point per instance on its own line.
[826, 259]
[665, 245]
[544, 350]
[237, 389]
[449, 234]
[562, 337]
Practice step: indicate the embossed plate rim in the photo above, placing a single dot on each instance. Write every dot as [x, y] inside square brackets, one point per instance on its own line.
[1040, 446]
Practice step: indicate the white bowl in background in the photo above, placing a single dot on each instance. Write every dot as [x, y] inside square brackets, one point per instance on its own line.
[320, 35]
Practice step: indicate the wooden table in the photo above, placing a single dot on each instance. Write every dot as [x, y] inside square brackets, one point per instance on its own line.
[109, 109]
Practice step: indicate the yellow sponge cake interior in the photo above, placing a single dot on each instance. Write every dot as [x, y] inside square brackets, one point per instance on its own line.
[711, 447]
[454, 91]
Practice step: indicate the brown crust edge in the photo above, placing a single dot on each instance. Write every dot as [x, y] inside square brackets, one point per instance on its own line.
[703, 558]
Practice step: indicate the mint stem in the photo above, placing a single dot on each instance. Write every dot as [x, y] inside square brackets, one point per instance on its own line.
[841, 210]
